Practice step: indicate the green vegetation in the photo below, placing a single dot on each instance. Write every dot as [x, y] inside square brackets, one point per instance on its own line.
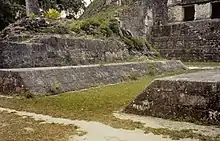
[98, 104]
[22, 129]
[93, 104]
[32, 16]
[98, 25]
[105, 24]
[52, 14]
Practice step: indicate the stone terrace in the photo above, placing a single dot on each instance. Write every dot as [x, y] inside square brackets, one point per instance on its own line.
[54, 80]
[193, 96]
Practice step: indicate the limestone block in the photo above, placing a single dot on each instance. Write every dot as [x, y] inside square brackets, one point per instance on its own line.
[202, 11]
[175, 14]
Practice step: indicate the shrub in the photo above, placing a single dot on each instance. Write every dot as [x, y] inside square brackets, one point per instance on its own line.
[114, 26]
[105, 30]
[75, 26]
[52, 14]
[32, 16]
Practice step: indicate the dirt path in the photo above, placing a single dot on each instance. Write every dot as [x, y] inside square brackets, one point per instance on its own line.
[156, 123]
[95, 131]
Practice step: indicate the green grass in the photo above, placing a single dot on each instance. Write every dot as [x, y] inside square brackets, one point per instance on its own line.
[97, 104]
[13, 128]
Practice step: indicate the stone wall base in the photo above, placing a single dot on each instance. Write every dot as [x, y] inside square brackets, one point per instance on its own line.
[53, 80]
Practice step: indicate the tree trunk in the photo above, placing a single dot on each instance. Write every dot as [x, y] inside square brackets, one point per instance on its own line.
[32, 6]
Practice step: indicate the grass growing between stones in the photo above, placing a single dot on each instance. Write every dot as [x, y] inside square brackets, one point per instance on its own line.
[97, 104]
[17, 128]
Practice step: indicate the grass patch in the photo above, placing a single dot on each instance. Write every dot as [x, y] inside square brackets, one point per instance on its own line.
[16, 128]
[98, 104]
[98, 25]
[95, 104]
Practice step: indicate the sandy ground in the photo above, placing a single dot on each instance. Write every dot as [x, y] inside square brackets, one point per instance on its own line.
[95, 131]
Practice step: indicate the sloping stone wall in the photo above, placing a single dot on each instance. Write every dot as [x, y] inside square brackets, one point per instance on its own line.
[61, 79]
[193, 96]
[61, 51]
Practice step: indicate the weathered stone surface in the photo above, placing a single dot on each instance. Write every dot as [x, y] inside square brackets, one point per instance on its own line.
[61, 79]
[203, 11]
[193, 96]
[196, 40]
[62, 50]
[189, 41]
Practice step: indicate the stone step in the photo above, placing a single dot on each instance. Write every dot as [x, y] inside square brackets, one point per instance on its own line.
[52, 80]
[193, 97]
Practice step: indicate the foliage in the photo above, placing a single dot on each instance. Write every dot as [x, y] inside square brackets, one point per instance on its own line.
[105, 24]
[72, 6]
[32, 15]
[81, 105]
[8, 10]
[52, 14]
[100, 24]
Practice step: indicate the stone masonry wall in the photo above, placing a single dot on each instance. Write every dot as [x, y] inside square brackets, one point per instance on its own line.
[192, 97]
[61, 51]
[52, 80]
[189, 41]
[197, 40]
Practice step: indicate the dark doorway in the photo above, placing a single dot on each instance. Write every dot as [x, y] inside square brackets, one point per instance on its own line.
[215, 10]
[189, 13]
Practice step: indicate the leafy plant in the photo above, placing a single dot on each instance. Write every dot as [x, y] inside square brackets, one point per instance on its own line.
[52, 14]
[32, 15]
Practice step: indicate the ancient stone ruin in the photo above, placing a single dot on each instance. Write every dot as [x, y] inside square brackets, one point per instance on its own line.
[193, 97]
[42, 63]
[190, 31]
[179, 29]
[49, 63]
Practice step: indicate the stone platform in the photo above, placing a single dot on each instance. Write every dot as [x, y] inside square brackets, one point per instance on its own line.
[193, 97]
[53, 80]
